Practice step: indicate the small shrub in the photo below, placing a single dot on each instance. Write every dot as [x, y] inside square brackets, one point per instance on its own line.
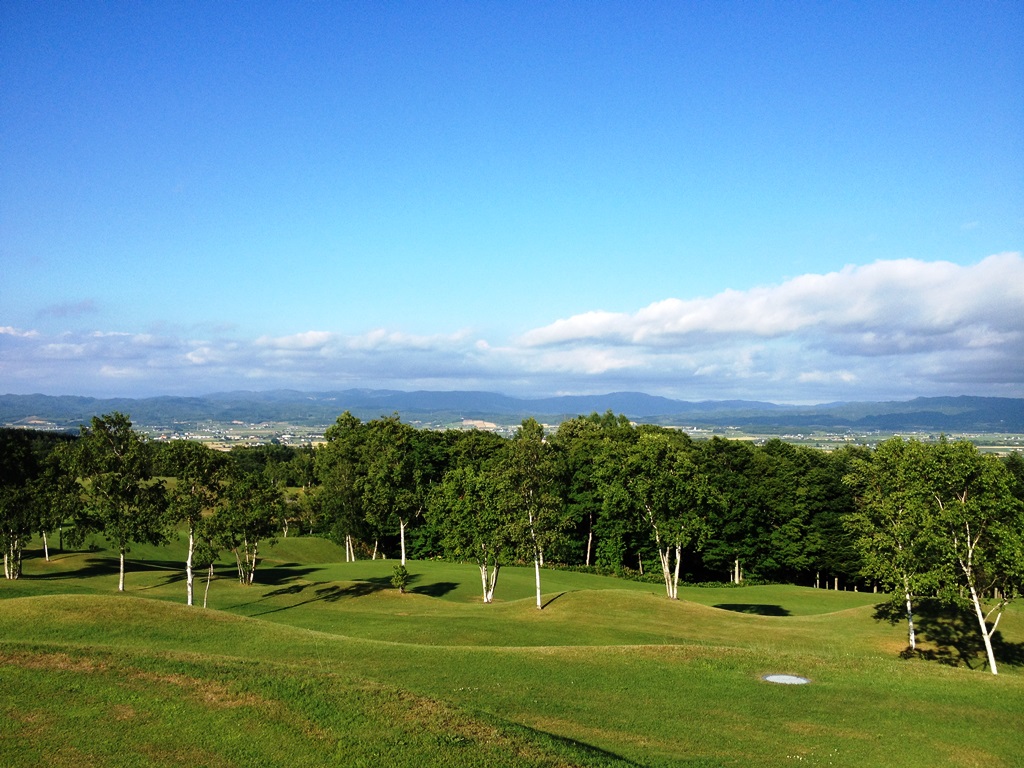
[401, 579]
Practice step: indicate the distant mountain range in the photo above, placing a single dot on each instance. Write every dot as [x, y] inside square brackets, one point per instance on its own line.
[950, 414]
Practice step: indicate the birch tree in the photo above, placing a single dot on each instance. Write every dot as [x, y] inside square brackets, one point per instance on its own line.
[665, 487]
[473, 526]
[982, 533]
[199, 471]
[389, 486]
[120, 497]
[895, 525]
[337, 465]
[524, 493]
[252, 509]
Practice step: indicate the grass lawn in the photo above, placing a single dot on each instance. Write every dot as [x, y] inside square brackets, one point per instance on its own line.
[322, 663]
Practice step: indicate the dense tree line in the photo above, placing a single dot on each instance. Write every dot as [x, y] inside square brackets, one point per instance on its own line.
[598, 492]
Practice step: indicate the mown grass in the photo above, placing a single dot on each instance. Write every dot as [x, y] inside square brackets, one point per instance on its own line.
[321, 663]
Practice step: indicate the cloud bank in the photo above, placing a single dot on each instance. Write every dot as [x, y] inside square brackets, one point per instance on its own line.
[890, 329]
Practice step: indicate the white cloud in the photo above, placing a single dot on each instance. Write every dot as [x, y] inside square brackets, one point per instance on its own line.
[297, 341]
[878, 301]
[7, 330]
[883, 330]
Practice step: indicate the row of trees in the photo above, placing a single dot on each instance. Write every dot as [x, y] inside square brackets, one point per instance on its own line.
[103, 482]
[598, 492]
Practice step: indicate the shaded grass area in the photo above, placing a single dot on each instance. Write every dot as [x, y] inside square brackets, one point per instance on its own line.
[326, 664]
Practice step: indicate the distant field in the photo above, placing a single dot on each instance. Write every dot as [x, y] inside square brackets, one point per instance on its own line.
[323, 663]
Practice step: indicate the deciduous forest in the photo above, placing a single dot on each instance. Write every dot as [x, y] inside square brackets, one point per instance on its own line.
[912, 520]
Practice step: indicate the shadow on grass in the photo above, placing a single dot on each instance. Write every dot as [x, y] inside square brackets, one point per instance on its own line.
[99, 565]
[92, 566]
[549, 602]
[327, 593]
[953, 634]
[437, 589]
[572, 748]
[757, 609]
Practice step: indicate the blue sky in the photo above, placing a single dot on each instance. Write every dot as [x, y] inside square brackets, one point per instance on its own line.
[798, 202]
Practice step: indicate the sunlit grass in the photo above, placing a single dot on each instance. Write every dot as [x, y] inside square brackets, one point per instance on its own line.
[325, 662]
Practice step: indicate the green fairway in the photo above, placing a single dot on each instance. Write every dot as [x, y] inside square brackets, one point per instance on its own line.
[323, 663]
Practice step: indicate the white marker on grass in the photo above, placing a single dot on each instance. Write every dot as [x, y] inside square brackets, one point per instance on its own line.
[787, 679]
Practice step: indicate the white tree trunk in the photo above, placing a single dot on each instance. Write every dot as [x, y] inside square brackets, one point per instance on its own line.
[120, 578]
[675, 576]
[536, 570]
[985, 633]
[401, 533]
[252, 566]
[493, 582]
[209, 578]
[374, 549]
[488, 580]
[189, 576]
[46, 548]
[590, 542]
[911, 636]
[666, 569]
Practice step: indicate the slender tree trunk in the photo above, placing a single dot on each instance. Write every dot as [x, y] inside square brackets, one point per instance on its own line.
[120, 578]
[911, 636]
[538, 559]
[401, 533]
[188, 562]
[590, 539]
[493, 582]
[675, 576]
[536, 570]
[736, 570]
[209, 578]
[7, 570]
[665, 555]
[374, 549]
[817, 579]
[46, 548]
[252, 567]
[483, 580]
[985, 634]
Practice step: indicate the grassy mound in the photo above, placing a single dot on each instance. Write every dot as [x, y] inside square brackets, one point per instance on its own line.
[322, 663]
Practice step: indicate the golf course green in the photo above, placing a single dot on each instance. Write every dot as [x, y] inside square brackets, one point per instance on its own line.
[322, 662]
